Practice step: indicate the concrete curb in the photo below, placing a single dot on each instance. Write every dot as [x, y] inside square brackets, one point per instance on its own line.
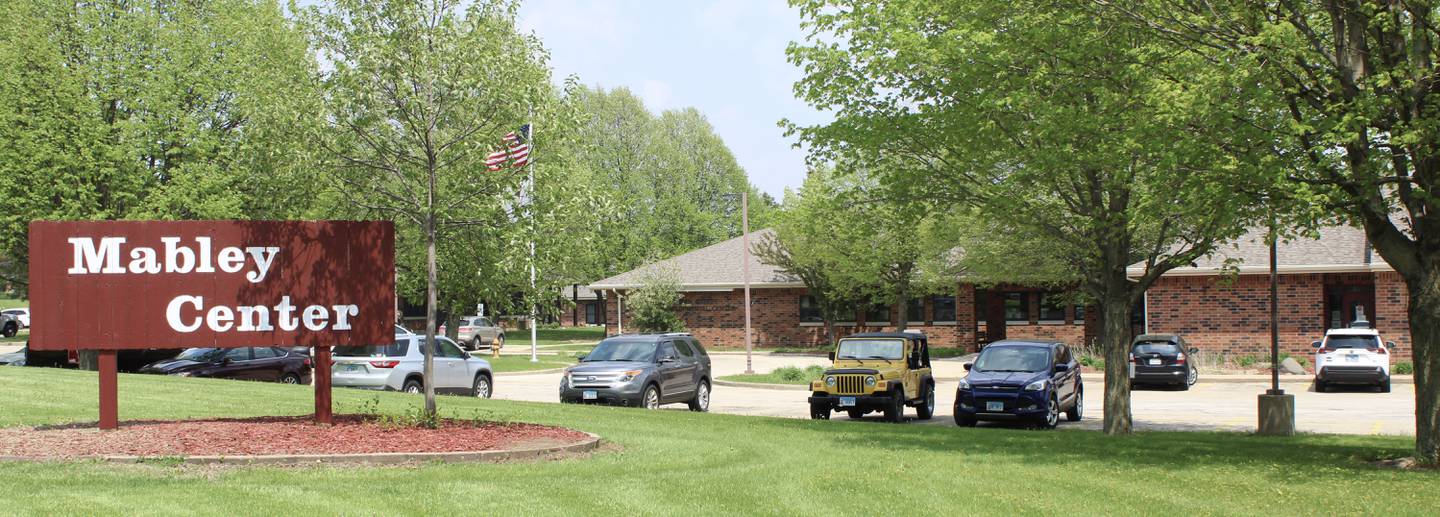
[763, 386]
[384, 458]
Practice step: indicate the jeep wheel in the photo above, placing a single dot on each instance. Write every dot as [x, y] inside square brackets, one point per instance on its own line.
[819, 411]
[1077, 411]
[895, 412]
[701, 402]
[926, 409]
[1052, 414]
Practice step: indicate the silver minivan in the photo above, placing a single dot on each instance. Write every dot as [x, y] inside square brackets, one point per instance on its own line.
[399, 366]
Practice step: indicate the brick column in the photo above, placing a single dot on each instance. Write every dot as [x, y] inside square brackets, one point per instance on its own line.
[966, 317]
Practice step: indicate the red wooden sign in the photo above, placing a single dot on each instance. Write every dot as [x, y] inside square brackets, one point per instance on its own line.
[116, 285]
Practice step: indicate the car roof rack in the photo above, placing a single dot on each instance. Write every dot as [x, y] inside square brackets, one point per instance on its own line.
[686, 334]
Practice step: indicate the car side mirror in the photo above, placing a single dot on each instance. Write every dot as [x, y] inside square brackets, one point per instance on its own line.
[1194, 351]
[1062, 368]
[664, 360]
[831, 356]
[1315, 344]
[1391, 345]
[968, 366]
[581, 357]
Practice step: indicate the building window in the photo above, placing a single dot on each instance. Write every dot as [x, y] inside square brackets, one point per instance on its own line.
[810, 310]
[878, 315]
[915, 310]
[1079, 314]
[1017, 307]
[1052, 307]
[942, 308]
[592, 314]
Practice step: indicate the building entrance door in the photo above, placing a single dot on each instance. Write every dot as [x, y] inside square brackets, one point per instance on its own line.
[1344, 304]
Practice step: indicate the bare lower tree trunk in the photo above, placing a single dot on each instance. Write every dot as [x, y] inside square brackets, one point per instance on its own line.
[1424, 312]
[1115, 342]
[89, 360]
[429, 347]
[902, 297]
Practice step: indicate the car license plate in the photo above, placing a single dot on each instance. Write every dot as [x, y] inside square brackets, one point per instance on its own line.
[589, 395]
[847, 401]
[1352, 358]
[354, 368]
[994, 406]
[1154, 362]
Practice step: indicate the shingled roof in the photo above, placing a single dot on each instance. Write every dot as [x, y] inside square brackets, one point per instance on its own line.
[1338, 249]
[712, 268]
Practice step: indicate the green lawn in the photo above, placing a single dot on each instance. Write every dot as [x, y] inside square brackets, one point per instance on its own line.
[11, 303]
[521, 363]
[682, 463]
[782, 375]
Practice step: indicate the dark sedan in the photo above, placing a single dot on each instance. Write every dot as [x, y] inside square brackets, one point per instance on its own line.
[1028, 381]
[271, 364]
[1161, 359]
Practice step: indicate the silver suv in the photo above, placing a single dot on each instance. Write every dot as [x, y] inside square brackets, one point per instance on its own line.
[478, 333]
[643, 370]
[399, 366]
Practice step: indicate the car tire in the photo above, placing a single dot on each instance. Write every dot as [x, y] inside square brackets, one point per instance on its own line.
[1077, 410]
[926, 409]
[1193, 378]
[1385, 386]
[701, 402]
[1319, 386]
[962, 420]
[290, 378]
[856, 414]
[819, 411]
[11, 329]
[651, 398]
[1051, 418]
[482, 388]
[413, 386]
[895, 412]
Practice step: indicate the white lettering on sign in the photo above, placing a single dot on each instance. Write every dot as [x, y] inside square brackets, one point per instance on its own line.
[105, 258]
[184, 314]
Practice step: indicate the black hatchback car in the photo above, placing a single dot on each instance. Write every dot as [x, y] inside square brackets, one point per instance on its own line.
[1162, 359]
[273, 364]
[644, 370]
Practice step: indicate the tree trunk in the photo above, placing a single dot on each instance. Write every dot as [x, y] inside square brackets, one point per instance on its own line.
[89, 360]
[902, 296]
[452, 324]
[1424, 313]
[1115, 343]
[430, 278]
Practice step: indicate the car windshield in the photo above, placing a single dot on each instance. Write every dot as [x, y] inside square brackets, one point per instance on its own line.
[1013, 359]
[639, 351]
[397, 349]
[888, 349]
[201, 355]
[1156, 347]
[1337, 342]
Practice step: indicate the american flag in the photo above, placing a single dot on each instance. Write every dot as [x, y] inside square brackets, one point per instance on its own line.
[516, 151]
[496, 161]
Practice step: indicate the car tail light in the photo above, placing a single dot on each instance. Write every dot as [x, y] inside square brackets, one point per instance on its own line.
[307, 362]
[384, 364]
[1180, 358]
[1134, 359]
[1376, 350]
[1326, 350]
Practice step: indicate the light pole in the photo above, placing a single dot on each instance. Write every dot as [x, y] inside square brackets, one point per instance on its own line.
[745, 257]
[1277, 409]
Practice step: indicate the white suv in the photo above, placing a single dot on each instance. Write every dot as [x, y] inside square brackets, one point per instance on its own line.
[1353, 356]
[398, 367]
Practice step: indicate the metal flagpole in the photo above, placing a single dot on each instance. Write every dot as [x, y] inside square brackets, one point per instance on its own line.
[534, 352]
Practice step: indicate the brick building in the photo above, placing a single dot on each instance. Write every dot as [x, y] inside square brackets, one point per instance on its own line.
[1321, 281]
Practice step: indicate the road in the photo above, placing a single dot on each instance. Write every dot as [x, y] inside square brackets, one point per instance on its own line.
[1223, 406]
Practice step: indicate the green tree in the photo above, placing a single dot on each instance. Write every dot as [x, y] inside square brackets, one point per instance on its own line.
[116, 110]
[417, 94]
[653, 306]
[1051, 123]
[802, 245]
[1358, 89]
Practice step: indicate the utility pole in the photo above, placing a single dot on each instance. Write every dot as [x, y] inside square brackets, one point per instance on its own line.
[534, 349]
[745, 240]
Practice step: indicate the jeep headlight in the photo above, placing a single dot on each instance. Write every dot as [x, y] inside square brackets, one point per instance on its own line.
[829, 380]
[964, 383]
[869, 380]
[1037, 385]
[630, 375]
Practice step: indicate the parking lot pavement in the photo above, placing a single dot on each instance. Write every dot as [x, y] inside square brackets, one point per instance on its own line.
[1213, 406]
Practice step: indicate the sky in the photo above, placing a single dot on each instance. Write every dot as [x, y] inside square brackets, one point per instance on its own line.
[725, 58]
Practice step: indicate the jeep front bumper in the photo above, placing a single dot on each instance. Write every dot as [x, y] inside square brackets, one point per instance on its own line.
[872, 401]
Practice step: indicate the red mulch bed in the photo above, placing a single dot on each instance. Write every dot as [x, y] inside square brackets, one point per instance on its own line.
[351, 434]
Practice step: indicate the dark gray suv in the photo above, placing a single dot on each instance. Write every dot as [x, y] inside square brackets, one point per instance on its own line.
[642, 370]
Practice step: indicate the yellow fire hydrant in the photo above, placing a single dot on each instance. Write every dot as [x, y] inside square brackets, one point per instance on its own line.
[495, 347]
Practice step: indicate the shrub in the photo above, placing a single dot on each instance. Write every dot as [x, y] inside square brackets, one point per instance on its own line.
[653, 306]
[1403, 368]
[790, 373]
[814, 371]
[1245, 361]
[1092, 361]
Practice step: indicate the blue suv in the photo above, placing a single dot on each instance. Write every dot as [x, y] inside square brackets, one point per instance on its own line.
[1020, 380]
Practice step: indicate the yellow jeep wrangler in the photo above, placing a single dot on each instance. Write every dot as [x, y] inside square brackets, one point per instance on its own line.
[876, 371]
